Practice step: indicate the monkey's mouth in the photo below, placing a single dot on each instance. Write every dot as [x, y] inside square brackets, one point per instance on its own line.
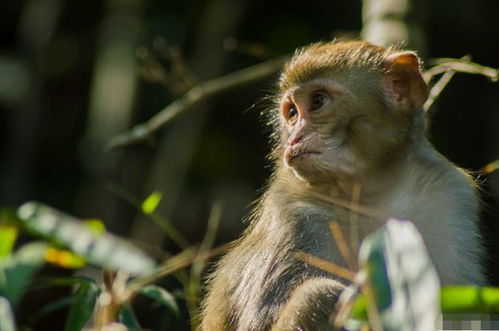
[298, 153]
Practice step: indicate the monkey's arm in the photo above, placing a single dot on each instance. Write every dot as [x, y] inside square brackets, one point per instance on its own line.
[310, 306]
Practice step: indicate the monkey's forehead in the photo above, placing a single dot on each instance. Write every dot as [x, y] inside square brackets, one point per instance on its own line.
[333, 58]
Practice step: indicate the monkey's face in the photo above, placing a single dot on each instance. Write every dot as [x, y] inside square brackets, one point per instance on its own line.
[315, 119]
[337, 127]
[347, 108]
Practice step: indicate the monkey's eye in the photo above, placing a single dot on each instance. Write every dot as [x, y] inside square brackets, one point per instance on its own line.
[318, 100]
[292, 115]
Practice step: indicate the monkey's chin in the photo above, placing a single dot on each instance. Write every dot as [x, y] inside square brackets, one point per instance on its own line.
[306, 166]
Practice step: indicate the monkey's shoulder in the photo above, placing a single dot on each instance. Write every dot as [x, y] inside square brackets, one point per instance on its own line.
[438, 175]
[433, 191]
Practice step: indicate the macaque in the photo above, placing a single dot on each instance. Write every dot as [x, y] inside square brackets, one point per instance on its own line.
[348, 118]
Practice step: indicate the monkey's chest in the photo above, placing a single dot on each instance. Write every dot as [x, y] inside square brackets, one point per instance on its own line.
[315, 234]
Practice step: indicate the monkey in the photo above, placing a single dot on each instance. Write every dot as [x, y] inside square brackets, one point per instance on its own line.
[347, 115]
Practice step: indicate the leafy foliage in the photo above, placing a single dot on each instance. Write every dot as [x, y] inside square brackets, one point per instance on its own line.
[403, 283]
[104, 250]
[19, 269]
[71, 243]
[402, 290]
[162, 296]
[82, 307]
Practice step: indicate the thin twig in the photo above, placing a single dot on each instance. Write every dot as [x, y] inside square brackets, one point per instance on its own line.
[254, 49]
[177, 78]
[460, 65]
[195, 96]
[345, 251]
[110, 300]
[179, 261]
[193, 287]
[372, 310]
[438, 88]
[170, 230]
[354, 219]
[326, 266]
[346, 301]
[350, 206]
[449, 67]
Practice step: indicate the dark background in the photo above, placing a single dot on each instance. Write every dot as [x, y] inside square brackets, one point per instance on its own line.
[69, 80]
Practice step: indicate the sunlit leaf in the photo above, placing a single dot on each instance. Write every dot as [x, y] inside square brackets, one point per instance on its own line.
[20, 269]
[359, 309]
[8, 236]
[104, 250]
[469, 299]
[95, 225]
[151, 202]
[405, 285]
[6, 317]
[453, 299]
[8, 232]
[162, 222]
[64, 258]
[161, 295]
[83, 307]
[491, 167]
[128, 318]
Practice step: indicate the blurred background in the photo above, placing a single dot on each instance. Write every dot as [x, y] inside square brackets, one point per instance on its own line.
[73, 74]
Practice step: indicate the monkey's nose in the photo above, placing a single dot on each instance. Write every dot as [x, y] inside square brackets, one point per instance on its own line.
[298, 133]
[295, 138]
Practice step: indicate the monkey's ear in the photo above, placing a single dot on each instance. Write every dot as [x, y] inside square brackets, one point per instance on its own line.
[403, 81]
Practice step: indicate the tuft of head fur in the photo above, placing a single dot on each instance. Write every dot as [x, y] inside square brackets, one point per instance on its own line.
[330, 57]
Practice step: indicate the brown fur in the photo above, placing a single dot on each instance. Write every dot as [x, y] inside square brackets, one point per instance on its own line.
[368, 133]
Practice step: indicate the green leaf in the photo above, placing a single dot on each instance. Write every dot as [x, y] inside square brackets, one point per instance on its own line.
[6, 317]
[373, 258]
[151, 202]
[104, 250]
[469, 299]
[161, 295]
[95, 225]
[359, 309]
[128, 318]
[403, 280]
[8, 236]
[61, 303]
[8, 232]
[20, 269]
[82, 308]
[453, 299]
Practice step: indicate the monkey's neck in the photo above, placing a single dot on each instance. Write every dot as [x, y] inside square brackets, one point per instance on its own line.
[367, 183]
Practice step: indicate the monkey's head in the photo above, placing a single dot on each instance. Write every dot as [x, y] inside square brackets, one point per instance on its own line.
[346, 108]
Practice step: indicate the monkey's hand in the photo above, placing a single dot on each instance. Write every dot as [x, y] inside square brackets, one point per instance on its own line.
[310, 306]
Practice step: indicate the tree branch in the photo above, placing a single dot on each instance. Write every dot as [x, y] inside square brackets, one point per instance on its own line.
[208, 89]
[194, 96]
[449, 67]
[460, 65]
